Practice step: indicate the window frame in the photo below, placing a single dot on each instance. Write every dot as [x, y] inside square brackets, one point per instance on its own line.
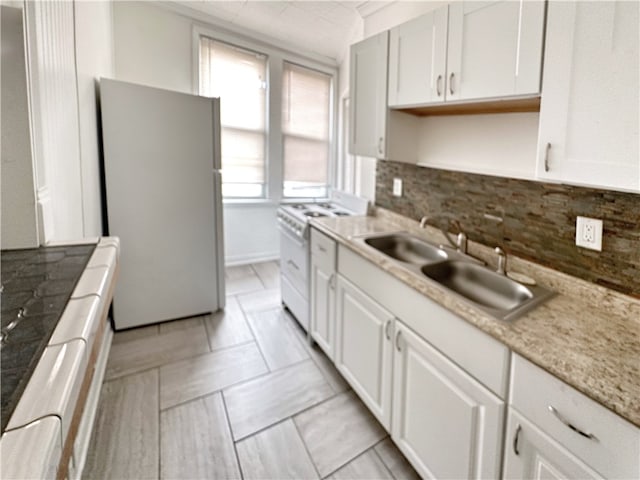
[276, 56]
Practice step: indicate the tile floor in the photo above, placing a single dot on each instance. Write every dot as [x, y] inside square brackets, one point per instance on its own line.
[235, 394]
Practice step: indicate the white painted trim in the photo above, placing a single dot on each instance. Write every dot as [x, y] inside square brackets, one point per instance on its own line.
[254, 258]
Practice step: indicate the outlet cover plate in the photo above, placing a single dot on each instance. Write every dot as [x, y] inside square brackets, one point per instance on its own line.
[397, 187]
[589, 233]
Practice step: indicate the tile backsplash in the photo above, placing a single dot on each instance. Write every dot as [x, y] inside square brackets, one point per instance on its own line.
[539, 219]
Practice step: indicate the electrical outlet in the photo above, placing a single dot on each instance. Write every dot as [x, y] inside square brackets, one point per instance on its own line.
[589, 233]
[397, 187]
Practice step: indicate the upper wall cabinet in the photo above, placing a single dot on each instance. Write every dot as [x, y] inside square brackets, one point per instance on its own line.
[368, 87]
[467, 51]
[589, 113]
[418, 60]
[376, 132]
[494, 49]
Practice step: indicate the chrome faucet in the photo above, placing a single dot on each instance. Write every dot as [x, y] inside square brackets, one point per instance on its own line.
[502, 261]
[461, 240]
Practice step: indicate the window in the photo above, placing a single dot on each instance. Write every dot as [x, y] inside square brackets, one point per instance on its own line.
[238, 77]
[306, 120]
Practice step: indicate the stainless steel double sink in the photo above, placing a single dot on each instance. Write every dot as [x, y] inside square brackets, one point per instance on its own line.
[464, 276]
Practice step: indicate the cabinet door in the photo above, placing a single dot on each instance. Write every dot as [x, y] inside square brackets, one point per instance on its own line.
[495, 49]
[322, 306]
[446, 423]
[589, 111]
[531, 454]
[368, 87]
[417, 60]
[363, 348]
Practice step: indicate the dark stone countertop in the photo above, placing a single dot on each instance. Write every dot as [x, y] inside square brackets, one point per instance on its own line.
[36, 286]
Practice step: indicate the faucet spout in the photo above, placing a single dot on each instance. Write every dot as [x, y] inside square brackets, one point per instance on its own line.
[460, 244]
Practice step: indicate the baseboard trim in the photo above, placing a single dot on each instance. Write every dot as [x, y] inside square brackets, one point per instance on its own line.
[252, 258]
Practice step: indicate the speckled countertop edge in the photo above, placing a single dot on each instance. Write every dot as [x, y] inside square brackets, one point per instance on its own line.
[587, 336]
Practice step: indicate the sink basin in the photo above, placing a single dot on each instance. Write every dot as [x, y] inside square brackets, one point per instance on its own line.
[497, 293]
[407, 249]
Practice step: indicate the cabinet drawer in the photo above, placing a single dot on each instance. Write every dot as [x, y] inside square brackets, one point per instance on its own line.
[614, 450]
[323, 250]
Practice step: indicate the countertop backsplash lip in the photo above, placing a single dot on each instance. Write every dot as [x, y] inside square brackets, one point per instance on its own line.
[594, 350]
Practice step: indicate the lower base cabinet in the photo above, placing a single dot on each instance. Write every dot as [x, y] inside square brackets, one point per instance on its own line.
[532, 454]
[446, 423]
[363, 348]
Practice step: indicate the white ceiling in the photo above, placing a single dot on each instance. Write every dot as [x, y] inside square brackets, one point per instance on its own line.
[324, 28]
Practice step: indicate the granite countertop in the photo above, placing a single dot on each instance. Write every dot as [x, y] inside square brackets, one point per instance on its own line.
[36, 285]
[588, 336]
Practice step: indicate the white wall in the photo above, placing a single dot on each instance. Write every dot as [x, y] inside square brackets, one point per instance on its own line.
[19, 221]
[153, 46]
[94, 59]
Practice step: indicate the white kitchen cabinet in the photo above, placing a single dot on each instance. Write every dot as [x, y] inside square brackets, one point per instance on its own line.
[494, 49]
[446, 423]
[374, 131]
[363, 348]
[417, 60]
[594, 441]
[368, 87]
[323, 283]
[532, 454]
[590, 95]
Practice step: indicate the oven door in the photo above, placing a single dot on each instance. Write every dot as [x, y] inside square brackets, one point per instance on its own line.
[294, 259]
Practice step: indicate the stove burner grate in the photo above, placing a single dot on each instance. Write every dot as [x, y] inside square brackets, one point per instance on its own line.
[299, 206]
[315, 214]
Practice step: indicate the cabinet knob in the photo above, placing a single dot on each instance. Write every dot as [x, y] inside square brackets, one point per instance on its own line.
[451, 83]
[380, 144]
[546, 157]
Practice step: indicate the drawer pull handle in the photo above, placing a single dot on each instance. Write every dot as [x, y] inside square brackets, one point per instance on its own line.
[438, 83]
[322, 249]
[516, 438]
[332, 281]
[292, 263]
[386, 329]
[451, 83]
[546, 157]
[398, 341]
[557, 414]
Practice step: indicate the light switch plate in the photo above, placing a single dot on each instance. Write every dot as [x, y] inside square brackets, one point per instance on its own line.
[589, 233]
[397, 187]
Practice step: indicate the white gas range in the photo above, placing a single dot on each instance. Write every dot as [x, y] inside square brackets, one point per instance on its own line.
[293, 223]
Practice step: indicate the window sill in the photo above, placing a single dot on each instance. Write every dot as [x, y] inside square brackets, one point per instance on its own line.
[248, 202]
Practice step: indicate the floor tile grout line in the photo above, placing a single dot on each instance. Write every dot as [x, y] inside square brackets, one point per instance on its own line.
[264, 285]
[375, 452]
[233, 442]
[291, 416]
[306, 447]
[246, 317]
[191, 357]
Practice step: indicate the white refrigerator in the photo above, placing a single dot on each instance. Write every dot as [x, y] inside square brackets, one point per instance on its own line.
[163, 199]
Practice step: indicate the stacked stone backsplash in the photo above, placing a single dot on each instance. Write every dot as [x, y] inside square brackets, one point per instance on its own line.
[539, 218]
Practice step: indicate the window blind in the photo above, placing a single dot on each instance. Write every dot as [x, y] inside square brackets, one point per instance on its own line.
[306, 121]
[238, 77]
